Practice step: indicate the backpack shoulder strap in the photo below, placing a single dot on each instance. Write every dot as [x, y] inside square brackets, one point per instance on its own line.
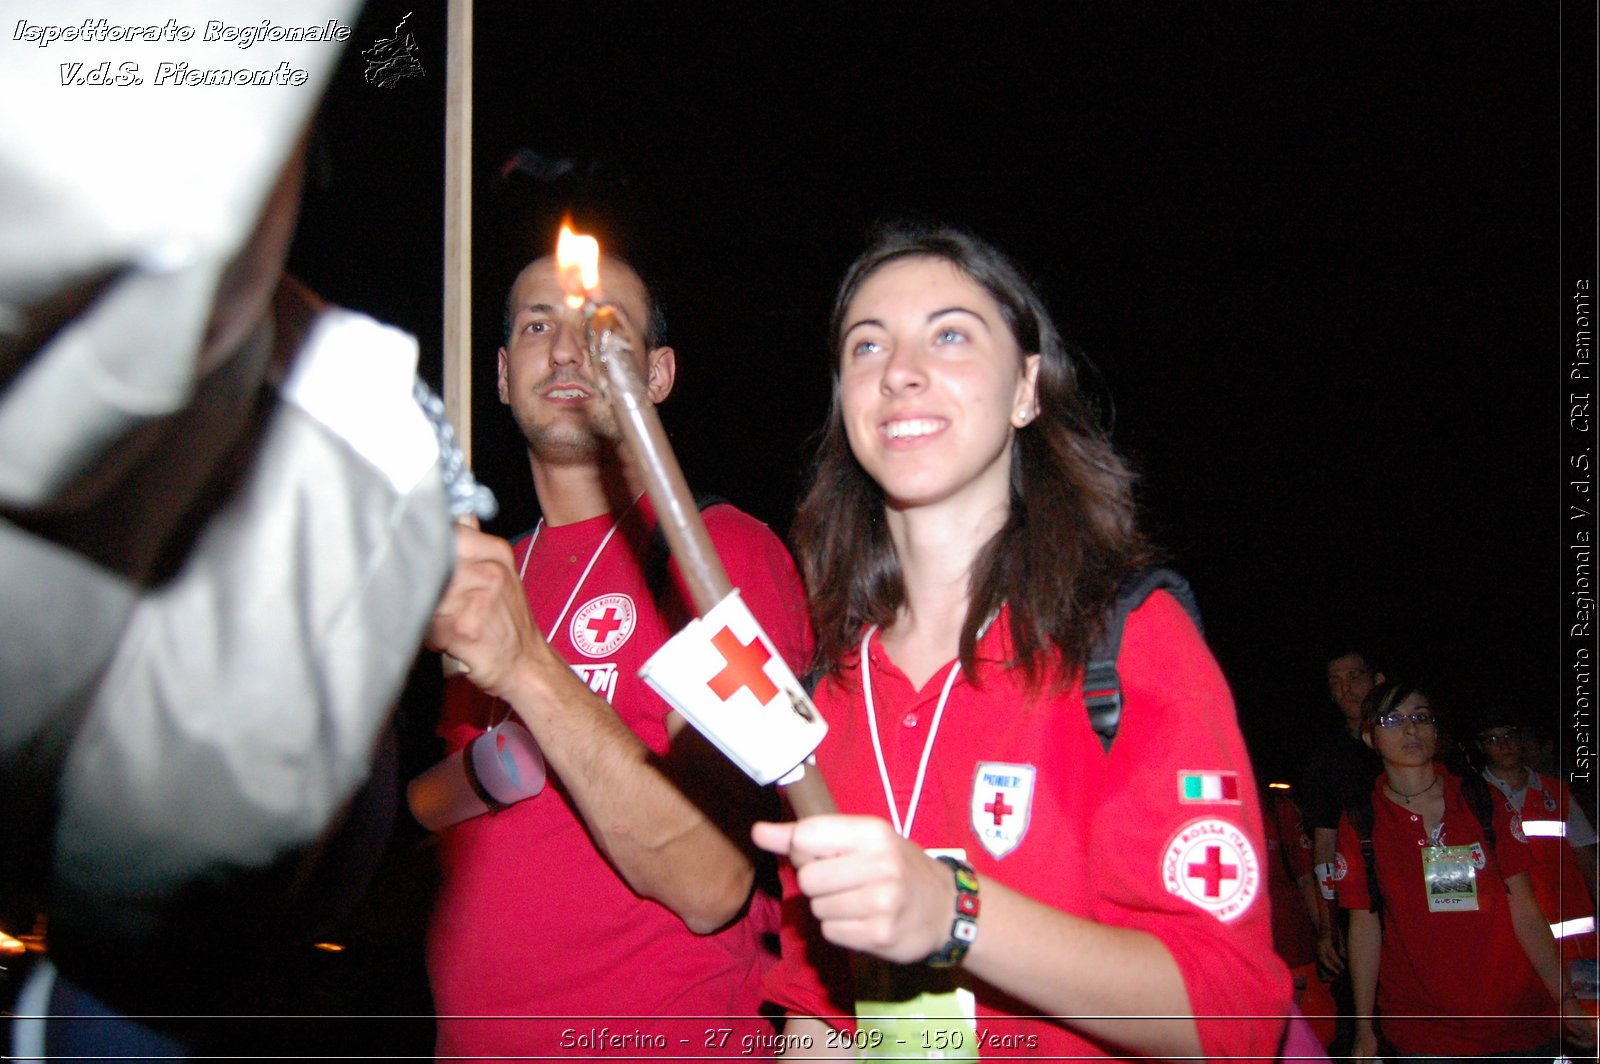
[1102, 687]
[1362, 819]
[1475, 792]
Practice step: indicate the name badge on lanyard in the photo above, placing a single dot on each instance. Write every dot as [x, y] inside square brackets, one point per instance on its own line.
[1450, 874]
[913, 1012]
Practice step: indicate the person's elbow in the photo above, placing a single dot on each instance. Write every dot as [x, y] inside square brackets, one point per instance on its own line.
[711, 903]
[695, 871]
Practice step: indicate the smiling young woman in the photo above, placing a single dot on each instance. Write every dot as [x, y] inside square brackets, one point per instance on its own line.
[1002, 877]
[932, 387]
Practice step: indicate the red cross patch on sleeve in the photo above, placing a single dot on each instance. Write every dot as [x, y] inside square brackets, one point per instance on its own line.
[1211, 864]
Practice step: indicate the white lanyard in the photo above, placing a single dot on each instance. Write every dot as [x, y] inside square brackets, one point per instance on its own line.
[877, 746]
[550, 633]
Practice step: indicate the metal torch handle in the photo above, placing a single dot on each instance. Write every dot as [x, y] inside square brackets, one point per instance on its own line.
[676, 511]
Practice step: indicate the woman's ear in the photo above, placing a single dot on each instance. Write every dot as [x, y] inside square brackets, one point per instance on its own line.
[1026, 406]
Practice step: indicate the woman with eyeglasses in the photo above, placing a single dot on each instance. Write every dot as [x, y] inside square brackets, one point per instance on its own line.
[1460, 963]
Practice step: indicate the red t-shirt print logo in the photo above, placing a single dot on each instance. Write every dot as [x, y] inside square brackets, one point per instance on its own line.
[602, 627]
[743, 669]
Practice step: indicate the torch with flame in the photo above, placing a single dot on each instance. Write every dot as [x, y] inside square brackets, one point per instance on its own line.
[578, 263]
[772, 737]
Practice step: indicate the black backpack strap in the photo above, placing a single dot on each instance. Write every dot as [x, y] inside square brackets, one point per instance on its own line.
[1102, 687]
[1362, 819]
[1475, 792]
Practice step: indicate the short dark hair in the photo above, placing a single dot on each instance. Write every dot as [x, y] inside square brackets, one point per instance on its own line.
[1350, 650]
[655, 326]
[1497, 715]
[1384, 698]
[1071, 534]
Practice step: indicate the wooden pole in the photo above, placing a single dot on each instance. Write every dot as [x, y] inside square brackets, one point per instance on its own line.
[458, 223]
[457, 376]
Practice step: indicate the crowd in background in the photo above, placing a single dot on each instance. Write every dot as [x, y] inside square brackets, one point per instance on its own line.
[1464, 951]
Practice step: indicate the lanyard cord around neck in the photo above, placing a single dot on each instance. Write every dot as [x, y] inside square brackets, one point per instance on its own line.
[877, 745]
[523, 571]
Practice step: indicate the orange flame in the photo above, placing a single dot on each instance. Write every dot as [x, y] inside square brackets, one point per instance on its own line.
[577, 264]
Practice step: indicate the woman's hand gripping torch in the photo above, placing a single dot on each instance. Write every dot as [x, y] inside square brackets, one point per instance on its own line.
[721, 672]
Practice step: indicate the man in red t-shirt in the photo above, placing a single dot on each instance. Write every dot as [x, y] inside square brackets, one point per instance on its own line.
[580, 921]
[1557, 832]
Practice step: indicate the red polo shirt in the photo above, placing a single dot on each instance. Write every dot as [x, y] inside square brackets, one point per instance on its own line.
[1019, 781]
[1449, 983]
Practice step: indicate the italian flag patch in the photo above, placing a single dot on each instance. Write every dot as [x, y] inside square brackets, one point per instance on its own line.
[1208, 786]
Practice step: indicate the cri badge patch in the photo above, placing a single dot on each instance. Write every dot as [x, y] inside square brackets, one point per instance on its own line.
[602, 624]
[1001, 804]
[1211, 864]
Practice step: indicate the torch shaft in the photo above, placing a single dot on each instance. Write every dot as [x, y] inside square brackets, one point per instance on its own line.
[676, 511]
[675, 507]
[809, 795]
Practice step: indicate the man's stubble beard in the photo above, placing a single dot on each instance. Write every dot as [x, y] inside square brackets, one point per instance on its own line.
[569, 444]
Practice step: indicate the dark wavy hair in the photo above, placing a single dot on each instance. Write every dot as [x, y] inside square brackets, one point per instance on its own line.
[1071, 536]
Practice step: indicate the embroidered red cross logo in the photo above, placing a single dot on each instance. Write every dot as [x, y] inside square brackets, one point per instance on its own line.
[603, 625]
[998, 807]
[744, 668]
[1213, 871]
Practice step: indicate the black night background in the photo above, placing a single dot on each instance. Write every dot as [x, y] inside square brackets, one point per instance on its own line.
[1314, 251]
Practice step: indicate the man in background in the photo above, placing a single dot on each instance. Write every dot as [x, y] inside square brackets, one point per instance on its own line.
[1339, 772]
[1559, 835]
